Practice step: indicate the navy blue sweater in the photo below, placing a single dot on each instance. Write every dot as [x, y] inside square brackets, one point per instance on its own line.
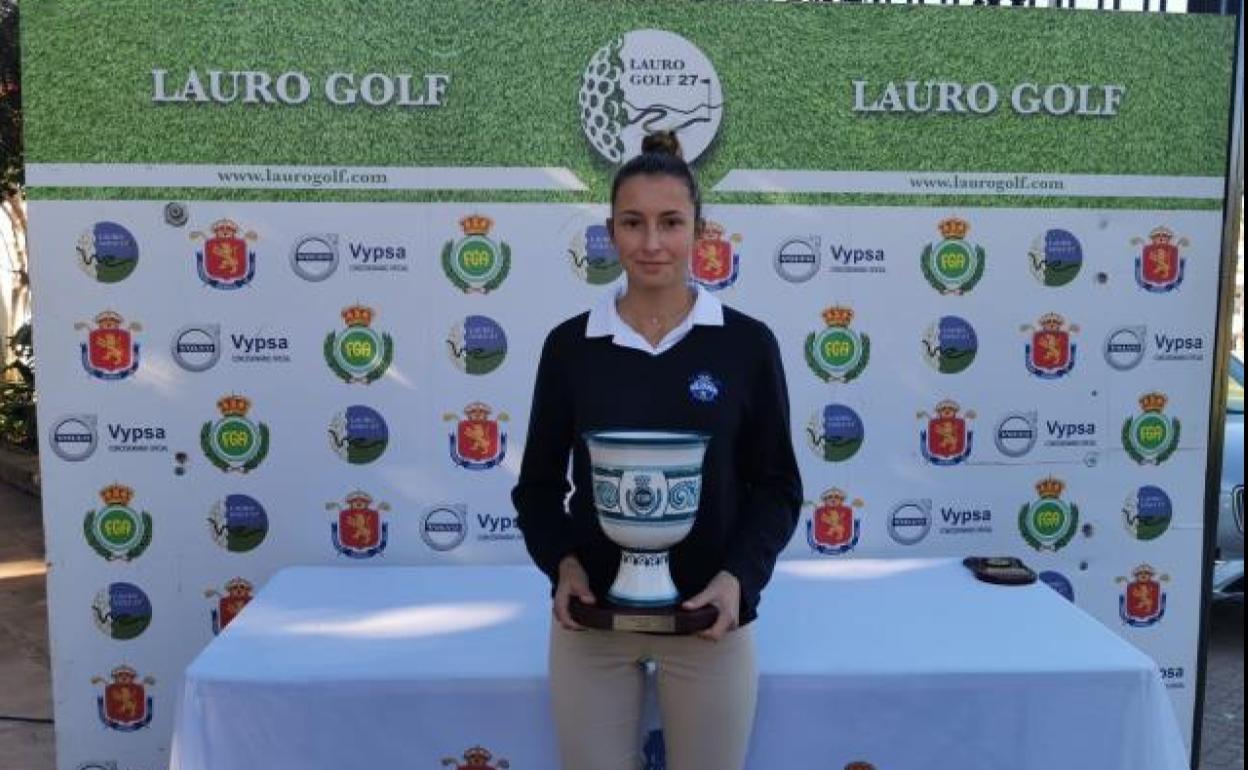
[727, 381]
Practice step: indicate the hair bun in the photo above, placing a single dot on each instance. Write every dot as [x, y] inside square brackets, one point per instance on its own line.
[662, 143]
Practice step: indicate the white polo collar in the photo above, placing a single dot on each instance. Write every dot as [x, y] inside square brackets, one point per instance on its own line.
[605, 321]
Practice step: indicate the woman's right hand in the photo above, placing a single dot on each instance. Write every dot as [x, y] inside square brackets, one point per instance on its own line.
[572, 582]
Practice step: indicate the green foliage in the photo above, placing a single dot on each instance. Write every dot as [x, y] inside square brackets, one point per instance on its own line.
[18, 427]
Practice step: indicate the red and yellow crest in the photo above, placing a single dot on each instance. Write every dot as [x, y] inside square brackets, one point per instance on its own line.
[124, 705]
[359, 531]
[225, 261]
[479, 441]
[110, 352]
[1143, 602]
[238, 593]
[1051, 351]
[716, 257]
[947, 438]
[832, 528]
[476, 758]
[1160, 265]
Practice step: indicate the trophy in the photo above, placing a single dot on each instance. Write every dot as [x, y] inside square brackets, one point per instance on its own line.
[647, 485]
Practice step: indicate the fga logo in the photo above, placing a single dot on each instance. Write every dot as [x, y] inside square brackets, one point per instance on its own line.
[359, 435]
[118, 532]
[946, 439]
[649, 80]
[833, 529]
[1125, 347]
[225, 262]
[124, 705]
[444, 527]
[593, 257]
[478, 345]
[797, 259]
[1159, 267]
[229, 602]
[1151, 436]
[314, 257]
[1142, 602]
[910, 521]
[73, 438]
[110, 352]
[122, 611]
[478, 443]
[716, 257]
[107, 252]
[835, 433]
[238, 523]
[1056, 257]
[1048, 523]
[476, 263]
[1050, 353]
[197, 347]
[358, 354]
[234, 443]
[476, 758]
[837, 353]
[1017, 433]
[359, 531]
[953, 265]
[1147, 512]
[950, 345]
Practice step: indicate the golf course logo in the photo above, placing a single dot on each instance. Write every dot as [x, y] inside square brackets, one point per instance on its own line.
[953, 265]
[1159, 266]
[358, 531]
[107, 252]
[478, 345]
[1048, 523]
[226, 261]
[946, 437]
[716, 262]
[476, 264]
[110, 352]
[122, 611]
[229, 603]
[837, 353]
[1142, 602]
[124, 705]
[234, 443]
[118, 532]
[359, 435]
[478, 443]
[833, 529]
[1147, 513]
[1151, 436]
[593, 257]
[950, 345]
[649, 80]
[358, 354]
[238, 523]
[1056, 258]
[476, 758]
[835, 433]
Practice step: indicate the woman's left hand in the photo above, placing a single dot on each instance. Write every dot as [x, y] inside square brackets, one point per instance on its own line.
[724, 594]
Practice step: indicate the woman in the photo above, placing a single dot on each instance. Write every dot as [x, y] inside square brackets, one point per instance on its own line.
[660, 354]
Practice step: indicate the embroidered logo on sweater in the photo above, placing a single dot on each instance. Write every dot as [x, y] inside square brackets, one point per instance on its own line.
[704, 388]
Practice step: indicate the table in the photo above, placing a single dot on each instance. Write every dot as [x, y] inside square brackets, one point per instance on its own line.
[904, 664]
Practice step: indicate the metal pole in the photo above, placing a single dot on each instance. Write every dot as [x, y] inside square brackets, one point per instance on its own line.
[1231, 213]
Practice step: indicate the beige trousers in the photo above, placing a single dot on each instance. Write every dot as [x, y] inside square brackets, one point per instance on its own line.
[707, 693]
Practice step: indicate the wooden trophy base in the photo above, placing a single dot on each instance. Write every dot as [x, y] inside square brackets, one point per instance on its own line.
[649, 620]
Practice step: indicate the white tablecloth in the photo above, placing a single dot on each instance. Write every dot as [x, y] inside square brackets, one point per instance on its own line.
[907, 665]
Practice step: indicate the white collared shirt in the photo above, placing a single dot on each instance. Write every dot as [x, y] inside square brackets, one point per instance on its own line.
[605, 321]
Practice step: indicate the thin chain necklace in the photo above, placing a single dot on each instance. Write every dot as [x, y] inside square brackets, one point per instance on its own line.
[658, 324]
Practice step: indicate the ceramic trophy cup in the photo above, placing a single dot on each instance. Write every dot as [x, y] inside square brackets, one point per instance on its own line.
[647, 485]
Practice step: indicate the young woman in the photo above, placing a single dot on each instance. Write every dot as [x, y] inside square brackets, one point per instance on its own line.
[660, 354]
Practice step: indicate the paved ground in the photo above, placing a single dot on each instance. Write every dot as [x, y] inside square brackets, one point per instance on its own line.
[25, 694]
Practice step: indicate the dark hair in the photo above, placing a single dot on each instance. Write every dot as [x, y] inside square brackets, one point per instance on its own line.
[660, 156]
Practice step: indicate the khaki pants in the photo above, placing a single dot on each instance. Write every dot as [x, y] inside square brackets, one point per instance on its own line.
[707, 692]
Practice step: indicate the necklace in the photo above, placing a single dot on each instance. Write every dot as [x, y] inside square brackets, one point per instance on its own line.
[656, 324]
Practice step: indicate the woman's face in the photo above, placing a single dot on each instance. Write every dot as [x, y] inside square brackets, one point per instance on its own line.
[653, 228]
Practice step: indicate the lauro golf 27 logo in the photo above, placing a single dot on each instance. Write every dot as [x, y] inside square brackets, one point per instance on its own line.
[478, 345]
[107, 252]
[649, 80]
[1056, 257]
[238, 523]
[950, 345]
[835, 433]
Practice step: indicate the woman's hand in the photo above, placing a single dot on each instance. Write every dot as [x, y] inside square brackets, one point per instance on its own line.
[724, 594]
[572, 582]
